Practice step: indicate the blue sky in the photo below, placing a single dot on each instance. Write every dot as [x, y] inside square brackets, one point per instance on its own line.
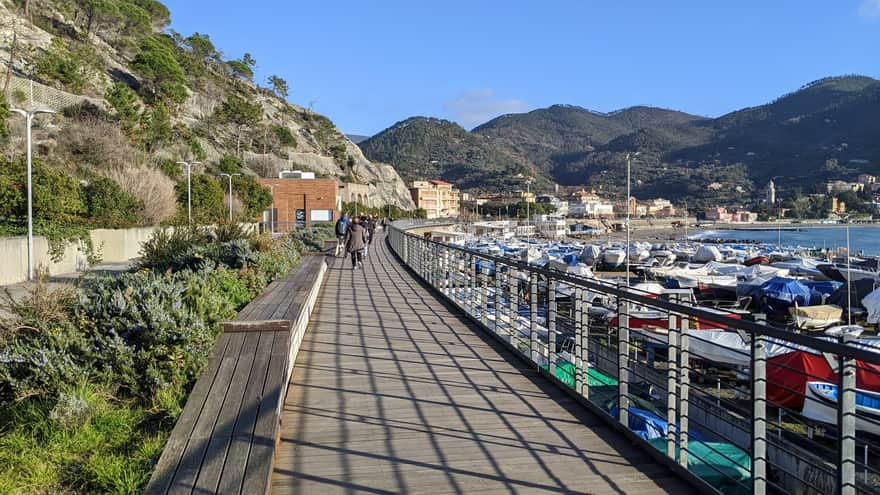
[368, 64]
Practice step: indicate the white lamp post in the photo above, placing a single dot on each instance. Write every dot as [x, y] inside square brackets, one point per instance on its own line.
[528, 219]
[628, 175]
[29, 118]
[230, 176]
[189, 209]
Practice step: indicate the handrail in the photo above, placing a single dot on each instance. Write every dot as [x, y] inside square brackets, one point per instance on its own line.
[506, 297]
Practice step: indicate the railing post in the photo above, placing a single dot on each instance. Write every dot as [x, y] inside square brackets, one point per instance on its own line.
[533, 317]
[484, 292]
[473, 297]
[623, 361]
[580, 366]
[551, 326]
[846, 424]
[496, 302]
[584, 355]
[513, 304]
[759, 414]
[672, 384]
[684, 386]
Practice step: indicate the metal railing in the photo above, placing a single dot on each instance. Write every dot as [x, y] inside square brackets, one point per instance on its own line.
[721, 397]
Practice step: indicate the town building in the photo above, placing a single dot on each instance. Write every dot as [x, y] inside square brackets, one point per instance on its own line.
[660, 208]
[838, 207]
[560, 207]
[499, 229]
[867, 179]
[299, 203]
[721, 214]
[839, 186]
[355, 193]
[550, 226]
[438, 198]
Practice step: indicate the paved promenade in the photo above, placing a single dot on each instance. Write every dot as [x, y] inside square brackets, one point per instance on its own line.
[395, 392]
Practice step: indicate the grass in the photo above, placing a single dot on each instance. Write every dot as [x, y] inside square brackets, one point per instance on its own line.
[87, 442]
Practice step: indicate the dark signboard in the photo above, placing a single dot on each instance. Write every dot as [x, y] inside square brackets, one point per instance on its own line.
[300, 219]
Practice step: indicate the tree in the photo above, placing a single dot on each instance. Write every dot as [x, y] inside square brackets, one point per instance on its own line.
[248, 60]
[162, 76]
[4, 115]
[125, 105]
[279, 86]
[202, 48]
[207, 198]
[159, 13]
[106, 203]
[240, 70]
[157, 128]
[254, 197]
[236, 110]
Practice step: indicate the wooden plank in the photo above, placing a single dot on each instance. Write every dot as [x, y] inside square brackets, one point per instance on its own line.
[196, 449]
[256, 326]
[166, 467]
[209, 476]
[242, 435]
[259, 465]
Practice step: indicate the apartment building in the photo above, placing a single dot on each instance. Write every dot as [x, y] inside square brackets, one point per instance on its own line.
[438, 198]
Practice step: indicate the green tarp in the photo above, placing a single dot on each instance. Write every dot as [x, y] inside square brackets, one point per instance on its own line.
[724, 466]
[565, 372]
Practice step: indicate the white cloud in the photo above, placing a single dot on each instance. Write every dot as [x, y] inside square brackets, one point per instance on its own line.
[870, 9]
[474, 107]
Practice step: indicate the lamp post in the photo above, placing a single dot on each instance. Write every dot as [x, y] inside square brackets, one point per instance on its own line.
[230, 176]
[628, 189]
[272, 210]
[189, 209]
[528, 195]
[29, 119]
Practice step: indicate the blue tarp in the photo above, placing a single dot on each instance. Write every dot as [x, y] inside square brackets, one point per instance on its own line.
[780, 293]
[649, 426]
[820, 291]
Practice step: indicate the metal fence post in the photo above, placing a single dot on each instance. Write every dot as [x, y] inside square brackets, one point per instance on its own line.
[580, 366]
[533, 317]
[684, 382]
[623, 361]
[846, 425]
[513, 304]
[473, 297]
[484, 292]
[584, 355]
[672, 384]
[759, 413]
[551, 326]
[496, 302]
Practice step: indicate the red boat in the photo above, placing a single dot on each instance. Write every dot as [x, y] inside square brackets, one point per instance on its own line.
[757, 260]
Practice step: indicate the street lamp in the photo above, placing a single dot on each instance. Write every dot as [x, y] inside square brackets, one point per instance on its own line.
[230, 176]
[29, 118]
[272, 210]
[628, 180]
[528, 195]
[189, 206]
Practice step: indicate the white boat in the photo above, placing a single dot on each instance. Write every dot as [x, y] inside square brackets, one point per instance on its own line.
[820, 404]
[815, 317]
[848, 330]
[614, 257]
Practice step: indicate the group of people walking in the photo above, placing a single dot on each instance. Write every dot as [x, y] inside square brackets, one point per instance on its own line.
[354, 236]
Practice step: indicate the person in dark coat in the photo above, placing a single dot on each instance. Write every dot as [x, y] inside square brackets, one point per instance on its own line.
[341, 230]
[367, 224]
[355, 242]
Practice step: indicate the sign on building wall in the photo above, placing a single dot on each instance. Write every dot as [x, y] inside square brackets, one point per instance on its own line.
[300, 219]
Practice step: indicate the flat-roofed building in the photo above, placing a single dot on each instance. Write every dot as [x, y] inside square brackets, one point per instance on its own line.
[299, 203]
[438, 198]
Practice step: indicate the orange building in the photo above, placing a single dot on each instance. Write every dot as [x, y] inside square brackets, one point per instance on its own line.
[299, 203]
[438, 198]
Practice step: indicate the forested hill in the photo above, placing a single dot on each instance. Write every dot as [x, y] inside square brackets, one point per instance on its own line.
[134, 97]
[823, 130]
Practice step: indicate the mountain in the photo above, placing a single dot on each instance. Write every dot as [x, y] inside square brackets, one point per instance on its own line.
[133, 94]
[422, 147]
[826, 129]
[356, 138]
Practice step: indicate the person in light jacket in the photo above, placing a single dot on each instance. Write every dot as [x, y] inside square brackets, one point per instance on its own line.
[355, 242]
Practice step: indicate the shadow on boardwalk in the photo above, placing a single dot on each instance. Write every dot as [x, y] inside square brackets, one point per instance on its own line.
[396, 392]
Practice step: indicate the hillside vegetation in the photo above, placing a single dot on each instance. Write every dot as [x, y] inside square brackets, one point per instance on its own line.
[134, 98]
[826, 129]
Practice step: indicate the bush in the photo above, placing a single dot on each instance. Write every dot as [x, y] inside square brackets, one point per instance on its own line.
[56, 194]
[229, 164]
[168, 243]
[162, 76]
[125, 105]
[71, 68]
[285, 137]
[151, 187]
[313, 237]
[207, 198]
[93, 143]
[108, 204]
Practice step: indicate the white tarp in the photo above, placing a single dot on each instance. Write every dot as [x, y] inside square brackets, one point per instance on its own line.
[707, 253]
[871, 302]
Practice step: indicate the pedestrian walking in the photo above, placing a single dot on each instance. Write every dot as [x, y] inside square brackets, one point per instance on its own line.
[372, 227]
[355, 242]
[342, 226]
[366, 222]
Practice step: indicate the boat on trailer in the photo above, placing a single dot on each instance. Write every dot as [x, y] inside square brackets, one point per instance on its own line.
[820, 404]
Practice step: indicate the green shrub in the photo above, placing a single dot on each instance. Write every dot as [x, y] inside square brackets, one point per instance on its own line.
[229, 232]
[108, 204]
[255, 197]
[71, 68]
[284, 136]
[313, 237]
[229, 164]
[125, 105]
[157, 128]
[207, 198]
[168, 243]
[4, 116]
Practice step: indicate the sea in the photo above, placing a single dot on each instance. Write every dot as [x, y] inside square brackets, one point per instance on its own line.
[865, 239]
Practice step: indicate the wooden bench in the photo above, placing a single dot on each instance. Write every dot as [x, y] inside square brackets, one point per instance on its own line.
[224, 440]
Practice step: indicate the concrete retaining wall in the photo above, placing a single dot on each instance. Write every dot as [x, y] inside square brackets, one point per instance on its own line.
[113, 246]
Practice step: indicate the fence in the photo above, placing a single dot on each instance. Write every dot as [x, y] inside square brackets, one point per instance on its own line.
[27, 92]
[744, 406]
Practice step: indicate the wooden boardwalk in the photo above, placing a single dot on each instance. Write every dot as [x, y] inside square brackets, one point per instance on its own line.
[395, 392]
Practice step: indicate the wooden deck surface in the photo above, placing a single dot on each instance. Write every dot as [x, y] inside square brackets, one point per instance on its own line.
[394, 392]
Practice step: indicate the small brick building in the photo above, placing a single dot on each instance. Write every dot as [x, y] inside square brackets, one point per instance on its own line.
[300, 203]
